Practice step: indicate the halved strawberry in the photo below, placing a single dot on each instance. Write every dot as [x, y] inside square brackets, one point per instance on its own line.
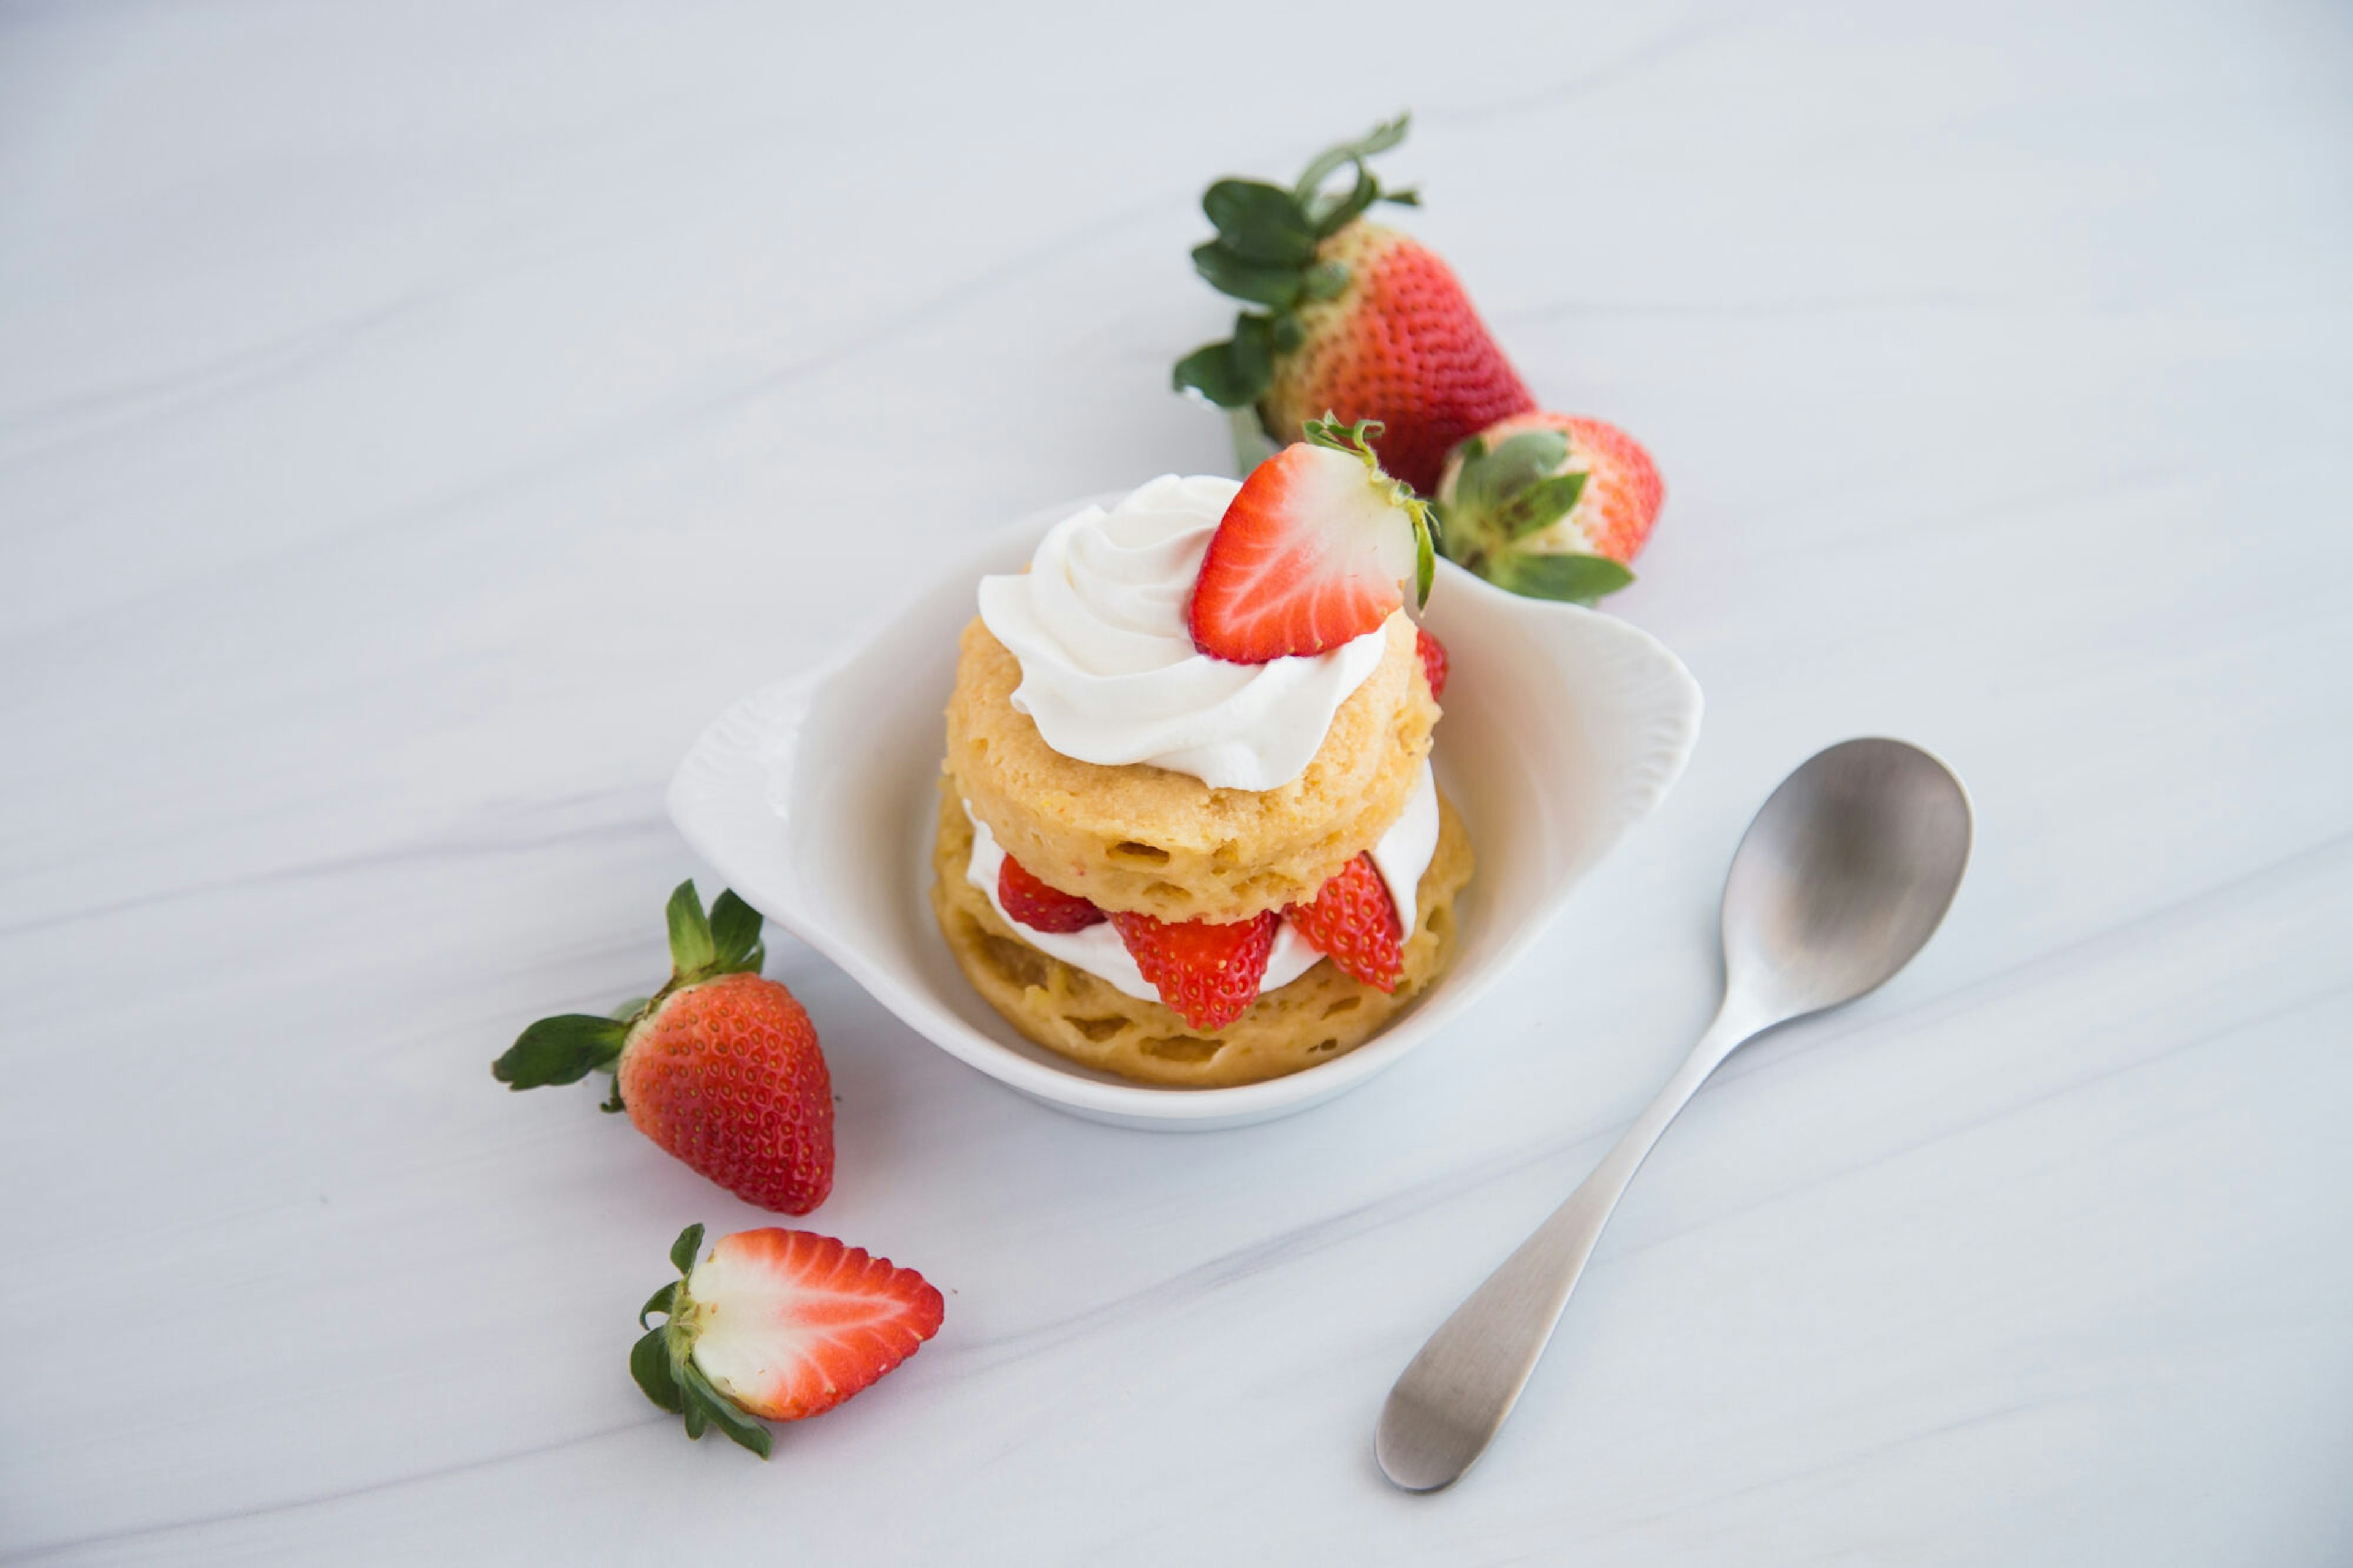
[1316, 549]
[1353, 924]
[1209, 973]
[776, 1323]
[1041, 908]
[1434, 662]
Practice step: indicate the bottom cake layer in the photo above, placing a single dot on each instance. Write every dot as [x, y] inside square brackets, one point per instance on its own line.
[1322, 1015]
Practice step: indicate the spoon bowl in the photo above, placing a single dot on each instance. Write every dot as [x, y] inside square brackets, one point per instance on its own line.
[1843, 875]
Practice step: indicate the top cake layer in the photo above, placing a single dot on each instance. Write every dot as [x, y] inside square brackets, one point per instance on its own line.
[1167, 844]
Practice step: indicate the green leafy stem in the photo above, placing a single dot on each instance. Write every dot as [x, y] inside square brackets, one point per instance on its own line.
[569, 1047]
[1356, 440]
[1266, 255]
[1501, 497]
[662, 1361]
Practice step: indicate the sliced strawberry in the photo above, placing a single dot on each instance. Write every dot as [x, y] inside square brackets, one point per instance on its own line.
[1209, 972]
[1434, 662]
[790, 1324]
[1041, 908]
[780, 1324]
[1353, 924]
[1316, 549]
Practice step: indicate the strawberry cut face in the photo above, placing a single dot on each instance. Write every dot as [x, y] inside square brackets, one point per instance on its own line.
[1318, 548]
[788, 1323]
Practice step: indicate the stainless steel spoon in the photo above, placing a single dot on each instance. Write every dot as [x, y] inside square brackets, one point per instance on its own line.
[1842, 876]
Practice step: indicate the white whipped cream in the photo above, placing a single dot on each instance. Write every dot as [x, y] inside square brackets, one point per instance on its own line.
[1405, 850]
[1403, 854]
[1109, 670]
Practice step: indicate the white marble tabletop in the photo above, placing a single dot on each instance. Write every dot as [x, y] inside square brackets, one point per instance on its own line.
[416, 421]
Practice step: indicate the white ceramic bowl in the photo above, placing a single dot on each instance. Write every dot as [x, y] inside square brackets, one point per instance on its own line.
[816, 798]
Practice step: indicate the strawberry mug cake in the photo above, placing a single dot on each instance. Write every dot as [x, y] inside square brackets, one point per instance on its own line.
[1188, 829]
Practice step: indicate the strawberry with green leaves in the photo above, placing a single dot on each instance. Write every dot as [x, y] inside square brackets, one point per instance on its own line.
[775, 1324]
[1345, 316]
[1550, 505]
[720, 1067]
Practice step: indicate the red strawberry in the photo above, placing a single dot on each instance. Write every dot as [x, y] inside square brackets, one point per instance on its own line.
[1550, 505]
[1314, 549]
[1209, 972]
[780, 1324]
[1353, 924]
[720, 1067]
[1357, 320]
[1434, 662]
[1401, 345]
[1040, 907]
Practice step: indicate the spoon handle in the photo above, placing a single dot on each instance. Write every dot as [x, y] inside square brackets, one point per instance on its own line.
[1451, 1400]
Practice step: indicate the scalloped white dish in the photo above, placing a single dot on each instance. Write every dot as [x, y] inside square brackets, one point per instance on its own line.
[815, 797]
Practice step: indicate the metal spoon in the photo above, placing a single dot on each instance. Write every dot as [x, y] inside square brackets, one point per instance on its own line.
[1842, 876]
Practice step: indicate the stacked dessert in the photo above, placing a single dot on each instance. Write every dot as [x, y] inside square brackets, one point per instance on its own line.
[1188, 832]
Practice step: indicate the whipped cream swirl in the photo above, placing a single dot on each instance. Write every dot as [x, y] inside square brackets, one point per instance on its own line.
[1109, 671]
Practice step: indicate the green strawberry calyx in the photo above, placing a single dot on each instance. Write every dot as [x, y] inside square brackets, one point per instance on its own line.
[570, 1045]
[662, 1361]
[1356, 440]
[1265, 256]
[1502, 498]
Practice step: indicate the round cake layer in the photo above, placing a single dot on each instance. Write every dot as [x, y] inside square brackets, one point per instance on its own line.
[1322, 1015]
[1165, 844]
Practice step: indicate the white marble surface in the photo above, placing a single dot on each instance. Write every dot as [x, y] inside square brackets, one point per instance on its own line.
[416, 420]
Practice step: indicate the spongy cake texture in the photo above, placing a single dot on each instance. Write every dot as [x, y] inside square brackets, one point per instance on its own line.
[1165, 844]
[1322, 1015]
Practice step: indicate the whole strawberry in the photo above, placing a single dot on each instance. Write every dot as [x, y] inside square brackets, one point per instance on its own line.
[1355, 321]
[720, 1067]
[780, 1324]
[1550, 505]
